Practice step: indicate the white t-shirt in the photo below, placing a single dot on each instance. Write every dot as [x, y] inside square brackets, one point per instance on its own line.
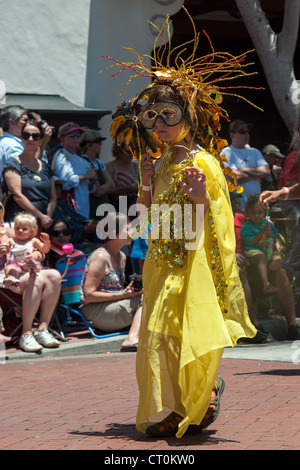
[248, 157]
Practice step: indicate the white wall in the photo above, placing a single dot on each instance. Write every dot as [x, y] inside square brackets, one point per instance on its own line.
[43, 47]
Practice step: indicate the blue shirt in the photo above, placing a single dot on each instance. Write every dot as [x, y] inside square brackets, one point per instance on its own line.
[249, 231]
[248, 157]
[10, 146]
[68, 166]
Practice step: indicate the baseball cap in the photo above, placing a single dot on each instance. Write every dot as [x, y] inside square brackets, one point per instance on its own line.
[90, 136]
[238, 124]
[68, 128]
[270, 148]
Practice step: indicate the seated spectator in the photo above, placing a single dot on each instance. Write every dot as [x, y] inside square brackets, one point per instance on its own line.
[38, 292]
[44, 152]
[78, 177]
[83, 229]
[125, 174]
[277, 211]
[90, 148]
[30, 179]
[106, 301]
[275, 160]
[3, 245]
[260, 242]
[283, 291]
[26, 252]
[61, 242]
[243, 263]
[12, 120]
[3, 338]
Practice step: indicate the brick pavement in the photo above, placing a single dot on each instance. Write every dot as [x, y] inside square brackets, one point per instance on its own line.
[89, 402]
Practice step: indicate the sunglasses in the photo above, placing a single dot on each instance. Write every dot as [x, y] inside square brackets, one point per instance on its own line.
[170, 112]
[243, 131]
[35, 136]
[65, 231]
[74, 134]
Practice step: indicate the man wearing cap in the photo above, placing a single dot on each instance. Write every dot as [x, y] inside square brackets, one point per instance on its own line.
[247, 162]
[72, 169]
[275, 160]
[90, 149]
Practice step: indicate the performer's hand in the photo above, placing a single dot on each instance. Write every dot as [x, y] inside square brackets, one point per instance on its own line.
[195, 185]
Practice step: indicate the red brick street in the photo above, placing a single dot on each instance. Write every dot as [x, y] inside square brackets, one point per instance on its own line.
[89, 403]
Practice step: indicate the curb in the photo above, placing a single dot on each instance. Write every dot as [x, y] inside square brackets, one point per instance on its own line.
[81, 348]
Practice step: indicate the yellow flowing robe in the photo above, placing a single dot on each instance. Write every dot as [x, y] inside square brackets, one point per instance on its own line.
[183, 330]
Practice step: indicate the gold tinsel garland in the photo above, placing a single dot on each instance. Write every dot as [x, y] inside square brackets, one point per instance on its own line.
[217, 266]
[173, 250]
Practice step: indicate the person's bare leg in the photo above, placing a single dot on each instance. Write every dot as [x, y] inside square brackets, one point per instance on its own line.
[285, 296]
[50, 295]
[262, 266]
[31, 290]
[133, 334]
[248, 297]
[41, 291]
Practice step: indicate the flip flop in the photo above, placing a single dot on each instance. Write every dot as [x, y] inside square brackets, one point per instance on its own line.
[132, 348]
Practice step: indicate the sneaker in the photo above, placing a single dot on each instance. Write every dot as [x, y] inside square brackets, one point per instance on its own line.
[293, 332]
[46, 339]
[28, 343]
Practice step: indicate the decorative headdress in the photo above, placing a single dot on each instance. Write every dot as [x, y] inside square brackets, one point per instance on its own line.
[200, 83]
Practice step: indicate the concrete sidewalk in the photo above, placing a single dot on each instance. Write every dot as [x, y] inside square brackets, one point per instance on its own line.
[82, 343]
[281, 351]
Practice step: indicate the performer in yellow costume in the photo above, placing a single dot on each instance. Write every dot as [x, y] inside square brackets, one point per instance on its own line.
[193, 301]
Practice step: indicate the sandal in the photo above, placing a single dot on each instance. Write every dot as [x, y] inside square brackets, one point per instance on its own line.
[212, 411]
[168, 427]
[132, 348]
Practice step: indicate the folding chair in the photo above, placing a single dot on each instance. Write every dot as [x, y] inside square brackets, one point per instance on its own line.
[72, 269]
[10, 300]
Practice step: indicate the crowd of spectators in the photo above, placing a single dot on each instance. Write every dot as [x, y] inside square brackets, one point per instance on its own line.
[63, 186]
[264, 234]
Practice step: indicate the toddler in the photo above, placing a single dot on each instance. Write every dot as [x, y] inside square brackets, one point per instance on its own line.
[25, 251]
[260, 242]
